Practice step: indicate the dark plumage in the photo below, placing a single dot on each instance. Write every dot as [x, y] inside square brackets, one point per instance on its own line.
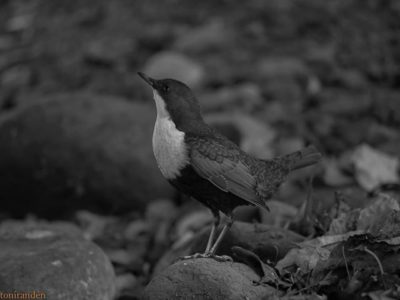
[226, 176]
[209, 167]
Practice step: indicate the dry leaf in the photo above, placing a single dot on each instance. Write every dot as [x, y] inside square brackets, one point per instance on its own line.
[372, 218]
[312, 252]
[379, 295]
[373, 167]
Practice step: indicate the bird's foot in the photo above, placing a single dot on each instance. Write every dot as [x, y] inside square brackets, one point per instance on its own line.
[220, 258]
[193, 256]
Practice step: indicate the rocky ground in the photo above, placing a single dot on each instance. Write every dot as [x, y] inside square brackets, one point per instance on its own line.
[84, 211]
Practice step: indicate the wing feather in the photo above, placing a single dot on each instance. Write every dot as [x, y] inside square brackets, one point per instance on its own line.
[224, 169]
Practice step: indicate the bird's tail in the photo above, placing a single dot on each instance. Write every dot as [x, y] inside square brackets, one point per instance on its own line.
[305, 157]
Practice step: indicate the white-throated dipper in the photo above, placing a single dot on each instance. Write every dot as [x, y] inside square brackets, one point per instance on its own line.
[205, 165]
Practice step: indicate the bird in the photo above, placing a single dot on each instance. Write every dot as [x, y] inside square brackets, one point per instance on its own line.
[205, 165]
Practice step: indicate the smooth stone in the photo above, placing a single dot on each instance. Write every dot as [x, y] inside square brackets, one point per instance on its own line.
[205, 278]
[79, 151]
[54, 259]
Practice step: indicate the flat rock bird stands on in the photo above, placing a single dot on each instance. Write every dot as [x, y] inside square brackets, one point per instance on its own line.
[205, 165]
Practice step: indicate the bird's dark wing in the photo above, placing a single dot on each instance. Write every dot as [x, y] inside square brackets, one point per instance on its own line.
[220, 164]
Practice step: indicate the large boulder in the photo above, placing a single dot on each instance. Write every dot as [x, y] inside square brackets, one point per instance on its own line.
[205, 278]
[78, 151]
[53, 260]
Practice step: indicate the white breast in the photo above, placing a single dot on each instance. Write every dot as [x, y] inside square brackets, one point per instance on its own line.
[168, 143]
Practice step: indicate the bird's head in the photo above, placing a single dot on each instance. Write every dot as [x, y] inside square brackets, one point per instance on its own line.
[174, 100]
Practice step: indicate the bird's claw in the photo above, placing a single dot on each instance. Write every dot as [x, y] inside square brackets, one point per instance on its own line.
[193, 256]
[222, 258]
[219, 258]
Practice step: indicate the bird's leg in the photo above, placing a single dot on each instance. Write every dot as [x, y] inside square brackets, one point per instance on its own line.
[214, 248]
[226, 227]
[213, 229]
[210, 250]
[210, 241]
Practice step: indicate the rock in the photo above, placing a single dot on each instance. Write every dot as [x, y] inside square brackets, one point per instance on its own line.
[212, 36]
[204, 278]
[268, 242]
[54, 259]
[78, 151]
[177, 66]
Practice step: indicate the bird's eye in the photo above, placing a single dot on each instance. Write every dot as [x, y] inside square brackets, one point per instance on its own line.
[166, 88]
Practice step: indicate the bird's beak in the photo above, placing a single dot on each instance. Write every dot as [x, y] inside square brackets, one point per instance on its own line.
[148, 79]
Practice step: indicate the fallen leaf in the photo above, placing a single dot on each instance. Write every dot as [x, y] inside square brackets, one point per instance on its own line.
[373, 167]
[267, 273]
[304, 258]
[379, 295]
[312, 252]
[372, 218]
[344, 222]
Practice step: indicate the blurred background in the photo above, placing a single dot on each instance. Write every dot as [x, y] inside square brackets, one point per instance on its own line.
[274, 76]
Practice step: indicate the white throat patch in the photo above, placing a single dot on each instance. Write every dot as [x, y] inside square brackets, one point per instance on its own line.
[168, 142]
